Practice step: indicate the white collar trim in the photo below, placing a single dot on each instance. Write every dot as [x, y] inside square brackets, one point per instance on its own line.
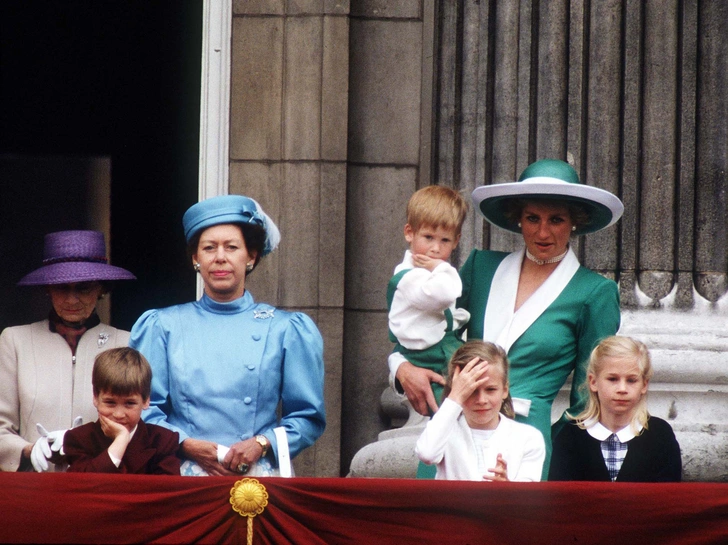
[601, 433]
[504, 326]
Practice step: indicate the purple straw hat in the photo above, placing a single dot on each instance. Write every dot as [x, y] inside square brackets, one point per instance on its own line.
[74, 256]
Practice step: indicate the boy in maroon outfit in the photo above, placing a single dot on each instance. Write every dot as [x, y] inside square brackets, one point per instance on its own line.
[119, 441]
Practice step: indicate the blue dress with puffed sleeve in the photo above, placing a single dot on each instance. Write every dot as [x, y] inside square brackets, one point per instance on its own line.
[220, 371]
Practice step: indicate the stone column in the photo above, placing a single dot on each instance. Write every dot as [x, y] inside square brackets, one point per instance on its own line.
[288, 127]
[389, 137]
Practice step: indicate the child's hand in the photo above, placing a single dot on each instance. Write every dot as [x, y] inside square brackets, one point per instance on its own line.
[110, 428]
[119, 433]
[467, 380]
[499, 472]
[429, 263]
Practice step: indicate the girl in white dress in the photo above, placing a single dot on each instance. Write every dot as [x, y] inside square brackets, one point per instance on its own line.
[473, 436]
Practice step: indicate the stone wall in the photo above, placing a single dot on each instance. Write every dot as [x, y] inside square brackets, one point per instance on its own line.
[390, 82]
[340, 110]
[288, 123]
[629, 92]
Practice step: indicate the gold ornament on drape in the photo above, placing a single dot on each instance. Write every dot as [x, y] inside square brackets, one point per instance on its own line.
[248, 498]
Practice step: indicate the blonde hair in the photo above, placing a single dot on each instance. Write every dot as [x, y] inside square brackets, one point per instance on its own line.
[623, 348]
[122, 371]
[490, 352]
[437, 206]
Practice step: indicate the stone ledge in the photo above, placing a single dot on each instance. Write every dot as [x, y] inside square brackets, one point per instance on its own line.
[689, 390]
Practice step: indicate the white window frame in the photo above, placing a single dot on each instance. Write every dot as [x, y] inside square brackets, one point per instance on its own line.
[214, 164]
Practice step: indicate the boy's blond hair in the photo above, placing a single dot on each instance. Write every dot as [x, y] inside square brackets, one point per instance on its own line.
[437, 206]
[620, 347]
[490, 352]
[122, 371]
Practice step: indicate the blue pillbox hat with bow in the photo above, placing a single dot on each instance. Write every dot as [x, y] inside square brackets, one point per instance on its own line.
[230, 209]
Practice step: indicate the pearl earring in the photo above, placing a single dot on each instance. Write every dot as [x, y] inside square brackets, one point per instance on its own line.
[573, 227]
[519, 224]
[196, 266]
[249, 267]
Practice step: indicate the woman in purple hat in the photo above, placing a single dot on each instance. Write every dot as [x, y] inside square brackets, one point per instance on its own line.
[224, 365]
[45, 367]
[546, 310]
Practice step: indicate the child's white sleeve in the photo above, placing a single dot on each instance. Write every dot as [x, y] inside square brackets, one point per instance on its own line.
[534, 455]
[431, 291]
[430, 447]
[116, 461]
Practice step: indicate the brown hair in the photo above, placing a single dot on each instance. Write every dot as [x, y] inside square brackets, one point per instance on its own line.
[122, 371]
[493, 354]
[437, 206]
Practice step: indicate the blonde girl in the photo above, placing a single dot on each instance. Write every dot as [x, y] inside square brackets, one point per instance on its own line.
[614, 438]
[472, 436]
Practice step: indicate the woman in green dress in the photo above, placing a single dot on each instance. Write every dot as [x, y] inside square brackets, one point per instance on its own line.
[545, 309]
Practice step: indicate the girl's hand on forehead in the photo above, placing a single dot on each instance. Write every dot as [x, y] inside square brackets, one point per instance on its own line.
[468, 379]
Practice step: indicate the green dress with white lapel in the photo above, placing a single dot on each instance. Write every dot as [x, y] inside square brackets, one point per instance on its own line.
[578, 308]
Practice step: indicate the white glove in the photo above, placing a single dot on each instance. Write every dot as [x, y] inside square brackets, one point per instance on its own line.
[40, 454]
[49, 443]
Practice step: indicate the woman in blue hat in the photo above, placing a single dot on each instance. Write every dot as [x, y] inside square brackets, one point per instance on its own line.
[538, 303]
[45, 367]
[223, 364]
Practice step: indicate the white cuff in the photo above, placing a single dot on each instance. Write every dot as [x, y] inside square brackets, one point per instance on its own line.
[395, 360]
[115, 460]
[521, 406]
[283, 455]
[221, 452]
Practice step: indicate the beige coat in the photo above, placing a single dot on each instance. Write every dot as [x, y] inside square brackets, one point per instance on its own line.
[39, 383]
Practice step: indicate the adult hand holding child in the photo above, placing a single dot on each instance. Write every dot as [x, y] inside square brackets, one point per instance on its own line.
[423, 319]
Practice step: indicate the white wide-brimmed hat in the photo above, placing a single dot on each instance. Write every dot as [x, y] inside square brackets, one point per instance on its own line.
[548, 179]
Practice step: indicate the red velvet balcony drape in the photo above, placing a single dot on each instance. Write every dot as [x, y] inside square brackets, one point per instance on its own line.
[94, 508]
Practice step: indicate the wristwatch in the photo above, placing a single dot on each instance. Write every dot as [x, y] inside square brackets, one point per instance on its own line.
[264, 443]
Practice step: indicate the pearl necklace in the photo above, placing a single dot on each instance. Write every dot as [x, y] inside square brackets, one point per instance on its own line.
[537, 261]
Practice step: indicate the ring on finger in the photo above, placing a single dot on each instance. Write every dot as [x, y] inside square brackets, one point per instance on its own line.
[243, 468]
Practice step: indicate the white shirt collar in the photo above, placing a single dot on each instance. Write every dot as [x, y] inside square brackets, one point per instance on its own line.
[601, 433]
